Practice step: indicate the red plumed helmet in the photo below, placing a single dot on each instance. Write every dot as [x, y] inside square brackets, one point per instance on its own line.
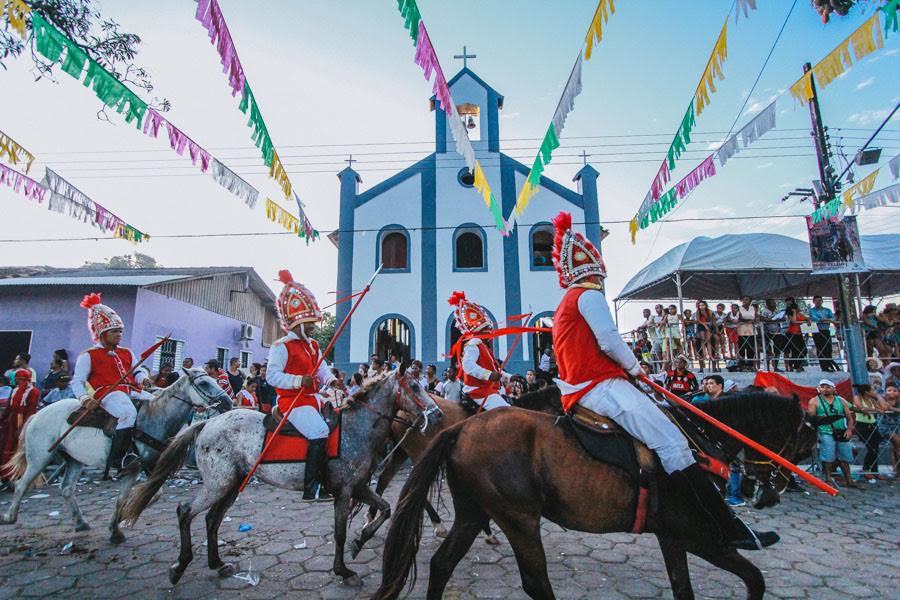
[101, 318]
[470, 317]
[574, 256]
[295, 304]
[90, 300]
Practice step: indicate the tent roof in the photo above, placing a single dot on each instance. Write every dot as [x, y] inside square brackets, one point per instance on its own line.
[758, 264]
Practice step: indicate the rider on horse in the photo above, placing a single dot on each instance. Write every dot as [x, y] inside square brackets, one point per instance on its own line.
[290, 371]
[594, 366]
[97, 377]
[481, 375]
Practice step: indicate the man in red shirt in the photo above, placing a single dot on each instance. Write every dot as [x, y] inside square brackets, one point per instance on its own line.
[97, 373]
[22, 404]
[215, 370]
[594, 366]
[679, 380]
[481, 374]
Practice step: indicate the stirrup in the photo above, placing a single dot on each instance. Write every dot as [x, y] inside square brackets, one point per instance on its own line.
[754, 540]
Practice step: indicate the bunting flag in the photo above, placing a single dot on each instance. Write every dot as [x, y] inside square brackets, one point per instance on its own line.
[229, 180]
[895, 166]
[712, 71]
[867, 38]
[860, 188]
[210, 15]
[66, 198]
[17, 11]
[178, 140]
[828, 210]
[21, 183]
[306, 229]
[882, 197]
[744, 6]
[595, 31]
[427, 59]
[705, 170]
[891, 18]
[12, 152]
[277, 214]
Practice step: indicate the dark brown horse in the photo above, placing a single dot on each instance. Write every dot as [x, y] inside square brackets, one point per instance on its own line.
[515, 467]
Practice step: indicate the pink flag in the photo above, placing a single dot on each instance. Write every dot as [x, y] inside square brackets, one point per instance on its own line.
[177, 139]
[706, 169]
[152, 122]
[210, 15]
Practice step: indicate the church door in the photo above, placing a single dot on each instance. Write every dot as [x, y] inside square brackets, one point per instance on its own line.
[540, 341]
[393, 336]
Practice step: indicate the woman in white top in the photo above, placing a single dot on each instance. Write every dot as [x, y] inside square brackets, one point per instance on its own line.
[246, 398]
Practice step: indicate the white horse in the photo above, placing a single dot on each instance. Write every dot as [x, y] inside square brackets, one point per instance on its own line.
[159, 419]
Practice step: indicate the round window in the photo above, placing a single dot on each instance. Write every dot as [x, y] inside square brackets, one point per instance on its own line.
[465, 177]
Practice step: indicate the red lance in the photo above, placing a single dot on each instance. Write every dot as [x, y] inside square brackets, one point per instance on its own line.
[334, 338]
[741, 437]
[144, 356]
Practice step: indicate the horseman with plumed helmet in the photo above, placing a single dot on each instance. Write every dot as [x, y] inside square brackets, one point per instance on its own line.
[292, 370]
[594, 370]
[98, 378]
[481, 375]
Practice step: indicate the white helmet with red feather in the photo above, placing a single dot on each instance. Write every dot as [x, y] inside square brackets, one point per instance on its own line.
[574, 256]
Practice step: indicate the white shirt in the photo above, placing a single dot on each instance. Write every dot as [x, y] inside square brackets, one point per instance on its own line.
[83, 371]
[451, 390]
[247, 399]
[278, 356]
[544, 364]
[470, 364]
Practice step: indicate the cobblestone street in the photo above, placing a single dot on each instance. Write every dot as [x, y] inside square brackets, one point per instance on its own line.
[831, 548]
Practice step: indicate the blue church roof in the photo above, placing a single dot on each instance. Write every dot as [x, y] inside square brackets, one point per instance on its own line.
[479, 80]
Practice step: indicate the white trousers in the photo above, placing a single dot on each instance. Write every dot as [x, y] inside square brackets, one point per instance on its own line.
[309, 422]
[119, 405]
[493, 401]
[634, 412]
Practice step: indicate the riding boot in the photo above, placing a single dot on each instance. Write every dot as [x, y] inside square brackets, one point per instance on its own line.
[121, 455]
[314, 474]
[694, 483]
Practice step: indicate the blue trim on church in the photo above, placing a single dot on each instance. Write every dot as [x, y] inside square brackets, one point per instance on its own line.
[349, 183]
[531, 265]
[511, 279]
[429, 260]
[479, 230]
[497, 95]
[588, 177]
[423, 166]
[558, 189]
[382, 319]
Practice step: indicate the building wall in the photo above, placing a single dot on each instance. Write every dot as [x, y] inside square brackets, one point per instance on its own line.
[201, 330]
[56, 320]
[226, 294]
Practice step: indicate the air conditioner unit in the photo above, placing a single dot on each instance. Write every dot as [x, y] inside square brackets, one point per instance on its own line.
[246, 332]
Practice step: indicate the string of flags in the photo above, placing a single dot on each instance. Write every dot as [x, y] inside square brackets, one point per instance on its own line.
[50, 43]
[12, 152]
[210, 15]
[566, 104]
[427, 59]
[860, 195]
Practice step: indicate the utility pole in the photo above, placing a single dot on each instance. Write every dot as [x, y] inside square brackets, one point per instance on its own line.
[854, 344]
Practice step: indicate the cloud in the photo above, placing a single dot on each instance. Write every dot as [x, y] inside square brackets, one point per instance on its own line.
[868, 117]
[757, 104]
[507, 116]
[765, 165]
[865, 84]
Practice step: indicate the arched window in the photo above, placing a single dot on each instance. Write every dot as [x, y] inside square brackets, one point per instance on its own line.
[393, 249]
[392, 335]
[469, 252]
[541, 242]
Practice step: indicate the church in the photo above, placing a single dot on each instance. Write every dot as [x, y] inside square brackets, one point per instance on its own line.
[433, 234]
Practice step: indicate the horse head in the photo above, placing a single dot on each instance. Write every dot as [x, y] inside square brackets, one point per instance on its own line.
[203, 392]
[412, 398]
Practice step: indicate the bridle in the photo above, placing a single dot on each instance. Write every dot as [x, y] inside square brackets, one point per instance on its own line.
[776, 471]
[212, 402]
[421, 422]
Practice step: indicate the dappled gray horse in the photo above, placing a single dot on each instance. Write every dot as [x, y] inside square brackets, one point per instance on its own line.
[159, 418]
[228, 446]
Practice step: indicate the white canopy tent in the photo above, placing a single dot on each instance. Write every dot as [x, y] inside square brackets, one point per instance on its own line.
[758, 265]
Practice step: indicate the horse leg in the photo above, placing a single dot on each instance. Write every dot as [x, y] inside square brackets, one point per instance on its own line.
[439, 529]
[341, 514]
[465, 528]
[675, 557]
[730, 560]
[126, 482]
[524, 535]
[383, 509]
[387, 475]
[213, 520]
[67, 489]
[489, 537]
[37, 462]
[186, 513]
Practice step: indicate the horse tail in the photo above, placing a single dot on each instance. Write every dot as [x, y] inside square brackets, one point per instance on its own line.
[405, 533]
[18, 463]
[170, 460]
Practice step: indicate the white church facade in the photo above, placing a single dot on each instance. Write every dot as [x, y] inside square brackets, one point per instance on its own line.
[434, 235]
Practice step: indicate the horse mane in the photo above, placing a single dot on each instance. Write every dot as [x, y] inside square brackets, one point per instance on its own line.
[747, 409]
[548, 397]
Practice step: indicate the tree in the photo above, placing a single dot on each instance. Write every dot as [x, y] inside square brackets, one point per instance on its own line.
[126, 261]
[324, 334]
[101, 38]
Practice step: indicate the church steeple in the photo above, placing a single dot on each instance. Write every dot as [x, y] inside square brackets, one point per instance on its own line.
[478, 105]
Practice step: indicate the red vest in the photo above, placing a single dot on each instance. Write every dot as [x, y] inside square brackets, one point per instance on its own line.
[483, 388]
[302, 358]
[578, 355]
[107, 369]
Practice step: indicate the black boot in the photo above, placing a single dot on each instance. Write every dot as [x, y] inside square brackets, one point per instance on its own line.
[314, 474]
[121, 455]
[694, 483]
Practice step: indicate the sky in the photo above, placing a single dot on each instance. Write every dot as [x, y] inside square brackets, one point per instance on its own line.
[338, 78]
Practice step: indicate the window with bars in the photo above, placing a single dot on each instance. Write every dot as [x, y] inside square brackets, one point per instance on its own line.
[222, 357]
[170, 353]
[246, 357]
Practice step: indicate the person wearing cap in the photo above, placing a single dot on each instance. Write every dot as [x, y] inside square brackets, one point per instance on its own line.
[594, 369]
[834, 438]
[215, 370]
[22, 404]
[296, 371]
[61, 390]
[102, 378]
[481, 375]
[679, 380]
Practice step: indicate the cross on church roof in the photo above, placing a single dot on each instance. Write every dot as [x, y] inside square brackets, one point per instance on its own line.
[465, 56]
[350, 161]
[584, 156]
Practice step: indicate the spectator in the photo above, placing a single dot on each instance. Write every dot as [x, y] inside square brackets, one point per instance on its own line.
[658, 325]
[889, 427]
[544, 365]
[795, 341]
[721, 336]
[643, 349]
[530, 380]
[834, 439]
[892, 374]
[452, 387]
[679, 380]
[431, 380]
[672, 342]
[746, 334]
[246, 396]
[378, 367]
[356, 382]
[265, 392]
[63, 356]
[235, 377]
[823, 317]
[253, 373]
[415, 371]
[187, 363]
[363, 370]
[5, 392]
[729, 387]
[22, 404]
[773, 338]
[20, 362]
[213, 369]
[60, 391]
[868, 405]
[690, 334]
[706, 328]
[876, 377]
[56, 371]
[715, 387]
[732, 319]
[395, 362]
[165, 376]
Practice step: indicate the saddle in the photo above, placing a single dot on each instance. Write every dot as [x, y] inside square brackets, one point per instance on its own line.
[97, 418]
[604, 440]
[272, 419]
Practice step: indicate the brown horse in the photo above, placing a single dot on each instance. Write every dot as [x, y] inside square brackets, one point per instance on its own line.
[515, 467]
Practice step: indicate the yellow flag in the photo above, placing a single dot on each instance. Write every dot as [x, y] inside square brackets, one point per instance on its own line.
[712, 71]
[595, 31]
[525, 195]
[481, 184]
[830, 68]
[868, 38]
[633, 228]
[861, 188]
[271, 210]
[17, 10]
[802, 89]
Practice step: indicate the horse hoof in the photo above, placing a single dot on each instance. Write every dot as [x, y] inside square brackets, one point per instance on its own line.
[175, 574]
[440, 531]
[353, 580]
[492, 540]
[83, 526]
[355, 547]
[117, 537]
[226, 570]
[4, 520]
